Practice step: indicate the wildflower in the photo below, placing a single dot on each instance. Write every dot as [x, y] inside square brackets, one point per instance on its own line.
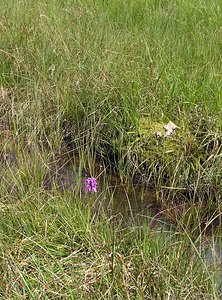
[91, 185]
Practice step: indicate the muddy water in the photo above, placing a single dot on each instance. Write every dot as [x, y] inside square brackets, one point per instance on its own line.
[131, 203]
[211, 251]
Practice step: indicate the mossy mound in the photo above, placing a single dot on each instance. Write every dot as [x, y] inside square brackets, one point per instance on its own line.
[180, 141]
[168, 158]
[173, 161]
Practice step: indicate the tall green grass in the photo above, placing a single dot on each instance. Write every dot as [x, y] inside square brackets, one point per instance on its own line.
[104, 65]
[54, 247]
[96, 78]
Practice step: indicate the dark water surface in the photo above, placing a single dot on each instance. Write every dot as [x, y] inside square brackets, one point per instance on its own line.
[132, 204]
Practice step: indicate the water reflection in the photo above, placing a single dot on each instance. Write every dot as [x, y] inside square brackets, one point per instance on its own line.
[211, 251]
[132, 204]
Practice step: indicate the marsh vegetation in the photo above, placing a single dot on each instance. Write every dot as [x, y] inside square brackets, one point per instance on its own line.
[87, 90]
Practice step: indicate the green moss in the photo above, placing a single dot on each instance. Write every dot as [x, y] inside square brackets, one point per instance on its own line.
[179, 142]
[147, 127]
[167, 160]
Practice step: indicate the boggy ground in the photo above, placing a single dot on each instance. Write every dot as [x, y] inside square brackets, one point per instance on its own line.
[99, 78]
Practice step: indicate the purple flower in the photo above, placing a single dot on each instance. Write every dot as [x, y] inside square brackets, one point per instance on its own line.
[91, 185]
